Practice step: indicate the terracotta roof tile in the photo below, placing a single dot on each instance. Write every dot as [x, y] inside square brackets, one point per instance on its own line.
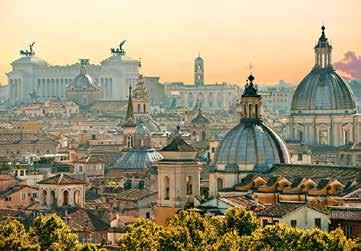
[61, 179]
[345, 213]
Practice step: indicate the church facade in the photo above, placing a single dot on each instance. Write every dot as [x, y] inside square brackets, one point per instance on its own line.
[31, 74]
[323, 110]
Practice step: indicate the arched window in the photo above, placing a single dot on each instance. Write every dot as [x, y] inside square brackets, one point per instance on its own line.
[189, 185]
[44, 197]
[166, 188]
[250, 111]
[53, 199]
[323, 137]
[204, 136]
[130, 141]
[65, 198]
[346, 137]
[219, 184]
[77, 197]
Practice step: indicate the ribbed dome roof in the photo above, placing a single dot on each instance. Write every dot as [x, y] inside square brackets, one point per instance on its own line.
[323, 90]
[138, 159]
[251, 143]
[83, 81]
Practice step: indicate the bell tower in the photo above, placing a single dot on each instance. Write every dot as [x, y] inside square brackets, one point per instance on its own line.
[178, 174]
[323, 52]
[199, 71]
[141, 100]
[129, 125]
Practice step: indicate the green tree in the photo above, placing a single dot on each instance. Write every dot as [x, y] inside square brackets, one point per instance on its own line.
[89, 247]
[229, 241]
[317, 239]
[14, 237]
[241, 220]
[340, 242]
[53, 234]
[198, 231]
[142, 235]
[174, 238]
[275, 237]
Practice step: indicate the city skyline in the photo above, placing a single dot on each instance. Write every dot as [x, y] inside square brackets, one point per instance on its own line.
[229, 36]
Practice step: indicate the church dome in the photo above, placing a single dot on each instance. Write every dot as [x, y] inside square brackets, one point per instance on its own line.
[323, 90]
[251, 144]
[83, 81]
[138, 159]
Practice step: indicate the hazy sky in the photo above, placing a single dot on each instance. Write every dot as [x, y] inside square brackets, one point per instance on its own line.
[276, 36]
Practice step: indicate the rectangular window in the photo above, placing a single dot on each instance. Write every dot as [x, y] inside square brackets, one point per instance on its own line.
[358, 160]
[347, 229]
[323, 137]
[264, 222]
[213, 149]
[23, 196]
[293, 223]
[189, 183]
[318, 222]
[300, 157]
[300, 136]
[8, 198]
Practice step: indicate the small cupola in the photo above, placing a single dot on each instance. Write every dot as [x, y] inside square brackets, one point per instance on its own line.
[250, 105]
[323, 51]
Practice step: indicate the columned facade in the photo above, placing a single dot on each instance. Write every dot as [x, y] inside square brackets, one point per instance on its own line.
[31, 74]
[61, 190]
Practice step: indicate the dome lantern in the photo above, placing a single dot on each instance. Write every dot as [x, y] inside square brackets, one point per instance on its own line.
[251, 144]
[323, 51]
[250, 105]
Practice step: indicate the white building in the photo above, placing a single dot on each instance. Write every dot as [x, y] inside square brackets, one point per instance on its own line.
[31, 74]
[294, 215]
[207, 96]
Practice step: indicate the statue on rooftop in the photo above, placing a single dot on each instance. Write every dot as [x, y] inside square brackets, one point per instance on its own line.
[118, 51]
[30, 52]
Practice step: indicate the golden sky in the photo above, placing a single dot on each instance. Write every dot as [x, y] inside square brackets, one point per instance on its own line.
[277, 36]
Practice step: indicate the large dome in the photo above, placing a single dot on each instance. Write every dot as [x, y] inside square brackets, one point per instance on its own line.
[84, 81]
[251, 145]
[138, 159]
[323, 91]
